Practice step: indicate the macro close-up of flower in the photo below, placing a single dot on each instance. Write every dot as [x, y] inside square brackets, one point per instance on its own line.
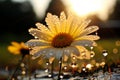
[60, 39]
[62, 36]
[18, 48]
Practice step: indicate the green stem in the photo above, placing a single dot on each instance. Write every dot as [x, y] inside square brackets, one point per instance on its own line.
[52, 67]
[60, 68]
[18, 65]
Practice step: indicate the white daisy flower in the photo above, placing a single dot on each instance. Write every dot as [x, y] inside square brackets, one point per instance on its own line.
[62, 36]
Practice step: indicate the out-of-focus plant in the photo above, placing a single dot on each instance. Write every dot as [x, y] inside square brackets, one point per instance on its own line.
[18, 49]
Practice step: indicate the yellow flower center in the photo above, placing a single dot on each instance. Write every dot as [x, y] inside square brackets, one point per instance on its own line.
[62, 40]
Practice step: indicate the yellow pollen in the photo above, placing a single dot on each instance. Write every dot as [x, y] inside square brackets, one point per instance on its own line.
[62, 40]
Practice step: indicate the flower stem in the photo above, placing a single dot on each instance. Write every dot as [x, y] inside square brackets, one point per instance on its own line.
[60, 62]
[18, 65]
[52, 67]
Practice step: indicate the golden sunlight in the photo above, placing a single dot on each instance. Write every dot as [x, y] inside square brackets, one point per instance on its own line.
[101, 8]
[84, 7]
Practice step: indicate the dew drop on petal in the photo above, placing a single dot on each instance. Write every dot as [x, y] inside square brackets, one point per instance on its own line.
[91, 47]
[44, 52]
[36, 37]
[96, 33]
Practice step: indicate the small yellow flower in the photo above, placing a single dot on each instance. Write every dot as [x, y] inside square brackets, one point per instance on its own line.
[18, 48]
[64, 35]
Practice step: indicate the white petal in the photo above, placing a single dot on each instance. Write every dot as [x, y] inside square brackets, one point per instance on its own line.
[67, 51]
[51, 59]
[91, 29]
[36, 42]
[34, 50]
[62, 17]
[84, 54]
[63, 22]
[65, 58]
[40, 35]
[74, 24]
[81, 27]
[56, 22]
[43, 28]
[88, 30]
[88, 37]
[38, 51]
[71, 49]
[54, 52]
[59, 53]
[69, 23]
[53, 23]
[83, 43]
[50, 52]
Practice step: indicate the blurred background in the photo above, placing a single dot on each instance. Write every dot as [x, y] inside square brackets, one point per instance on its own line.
[17, 16]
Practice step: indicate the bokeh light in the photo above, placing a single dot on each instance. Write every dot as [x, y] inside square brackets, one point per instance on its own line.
[101, 8]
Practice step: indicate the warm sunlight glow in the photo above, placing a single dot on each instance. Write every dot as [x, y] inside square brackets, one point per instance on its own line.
[101, 8]
[84, 7]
